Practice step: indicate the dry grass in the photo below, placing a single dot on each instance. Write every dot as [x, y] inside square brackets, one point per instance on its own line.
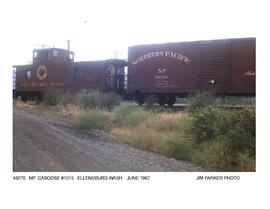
[152, 134]
[164, 121]
[68, 111]
[24, 105]
[168, 133]
[139, 136]
[30, 106]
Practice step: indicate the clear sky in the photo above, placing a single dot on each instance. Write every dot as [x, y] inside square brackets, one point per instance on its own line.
[100, 29]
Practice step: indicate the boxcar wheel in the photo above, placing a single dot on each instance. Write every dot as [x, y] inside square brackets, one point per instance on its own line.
[140, 99]
[171, 100]
[162, 100]
[24, 98]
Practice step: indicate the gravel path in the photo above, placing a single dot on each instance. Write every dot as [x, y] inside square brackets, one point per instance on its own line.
[44, 144]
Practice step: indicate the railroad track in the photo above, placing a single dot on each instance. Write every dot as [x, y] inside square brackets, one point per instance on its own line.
[183, 106]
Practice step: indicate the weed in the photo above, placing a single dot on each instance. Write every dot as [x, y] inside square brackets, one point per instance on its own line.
[130, 115]
[96, 99]
[224, 135]
[51, 97]
[96, 119]
[201, 99]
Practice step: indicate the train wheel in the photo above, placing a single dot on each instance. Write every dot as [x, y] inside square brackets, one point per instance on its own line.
[24, 98]
[140, 99]
[162, 100]
[171, 100]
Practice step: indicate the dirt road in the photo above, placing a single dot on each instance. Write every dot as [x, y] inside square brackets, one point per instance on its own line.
[44, 144]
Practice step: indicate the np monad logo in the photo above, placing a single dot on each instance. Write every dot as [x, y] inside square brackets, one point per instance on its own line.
[41, 72]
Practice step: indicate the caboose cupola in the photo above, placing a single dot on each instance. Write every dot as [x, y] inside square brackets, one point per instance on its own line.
[52, 55]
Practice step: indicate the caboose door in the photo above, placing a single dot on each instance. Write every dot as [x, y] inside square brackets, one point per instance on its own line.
[115, 77]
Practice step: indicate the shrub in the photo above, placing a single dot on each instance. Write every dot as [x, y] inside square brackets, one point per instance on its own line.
[242, 136]
[96, 99]
[235, 100]
[136, 117]
[212, 154]
[224, 135]
[129, 114]
[179, 148]
[67, 97]
[211, 122]
[201, 99]
[51, 97]
[245, 162]
[96, 119]
[163, 132]
[150, 100]
[108, 100]
[124, 109]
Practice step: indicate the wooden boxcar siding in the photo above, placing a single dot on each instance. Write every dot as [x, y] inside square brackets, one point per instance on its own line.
[167, 68]
[215, 65]
[243, 77]
[58, 76]
[227, 66]
[90, 75]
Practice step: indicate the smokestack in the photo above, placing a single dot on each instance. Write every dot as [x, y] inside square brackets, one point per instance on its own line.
[68, 41]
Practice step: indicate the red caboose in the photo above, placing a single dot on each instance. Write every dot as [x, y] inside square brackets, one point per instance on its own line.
[55, 68]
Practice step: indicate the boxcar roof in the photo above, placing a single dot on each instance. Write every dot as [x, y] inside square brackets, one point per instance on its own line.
[210, 40]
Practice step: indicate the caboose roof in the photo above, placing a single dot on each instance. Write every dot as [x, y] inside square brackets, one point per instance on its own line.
[51, 49]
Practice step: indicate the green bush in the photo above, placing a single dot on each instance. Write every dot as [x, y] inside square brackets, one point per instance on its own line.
[224, 135]
[211, 122]
[67, 97]
[245, 162]
[129, 114]
[150, 100]
[136, 117]
[96, 119]
[235, 100]
[96, 99]
[212, 155]
[51, 97]
[201, 99]
[242, 136]
[124, 109]
[179, 148]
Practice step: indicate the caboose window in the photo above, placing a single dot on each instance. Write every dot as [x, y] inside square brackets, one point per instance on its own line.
[28, 74]
[35, 54]
[55, 53]
[71, 57]
[49, 55]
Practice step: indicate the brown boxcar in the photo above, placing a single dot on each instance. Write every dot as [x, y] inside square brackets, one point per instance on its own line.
[55, 68]
[167, 70]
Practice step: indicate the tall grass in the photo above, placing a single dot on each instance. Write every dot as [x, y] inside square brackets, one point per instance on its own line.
[162, 132]
[227, 136]
[201, 99]
[84, 98]
[206, 135]
[97, 99]
[128, 114]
